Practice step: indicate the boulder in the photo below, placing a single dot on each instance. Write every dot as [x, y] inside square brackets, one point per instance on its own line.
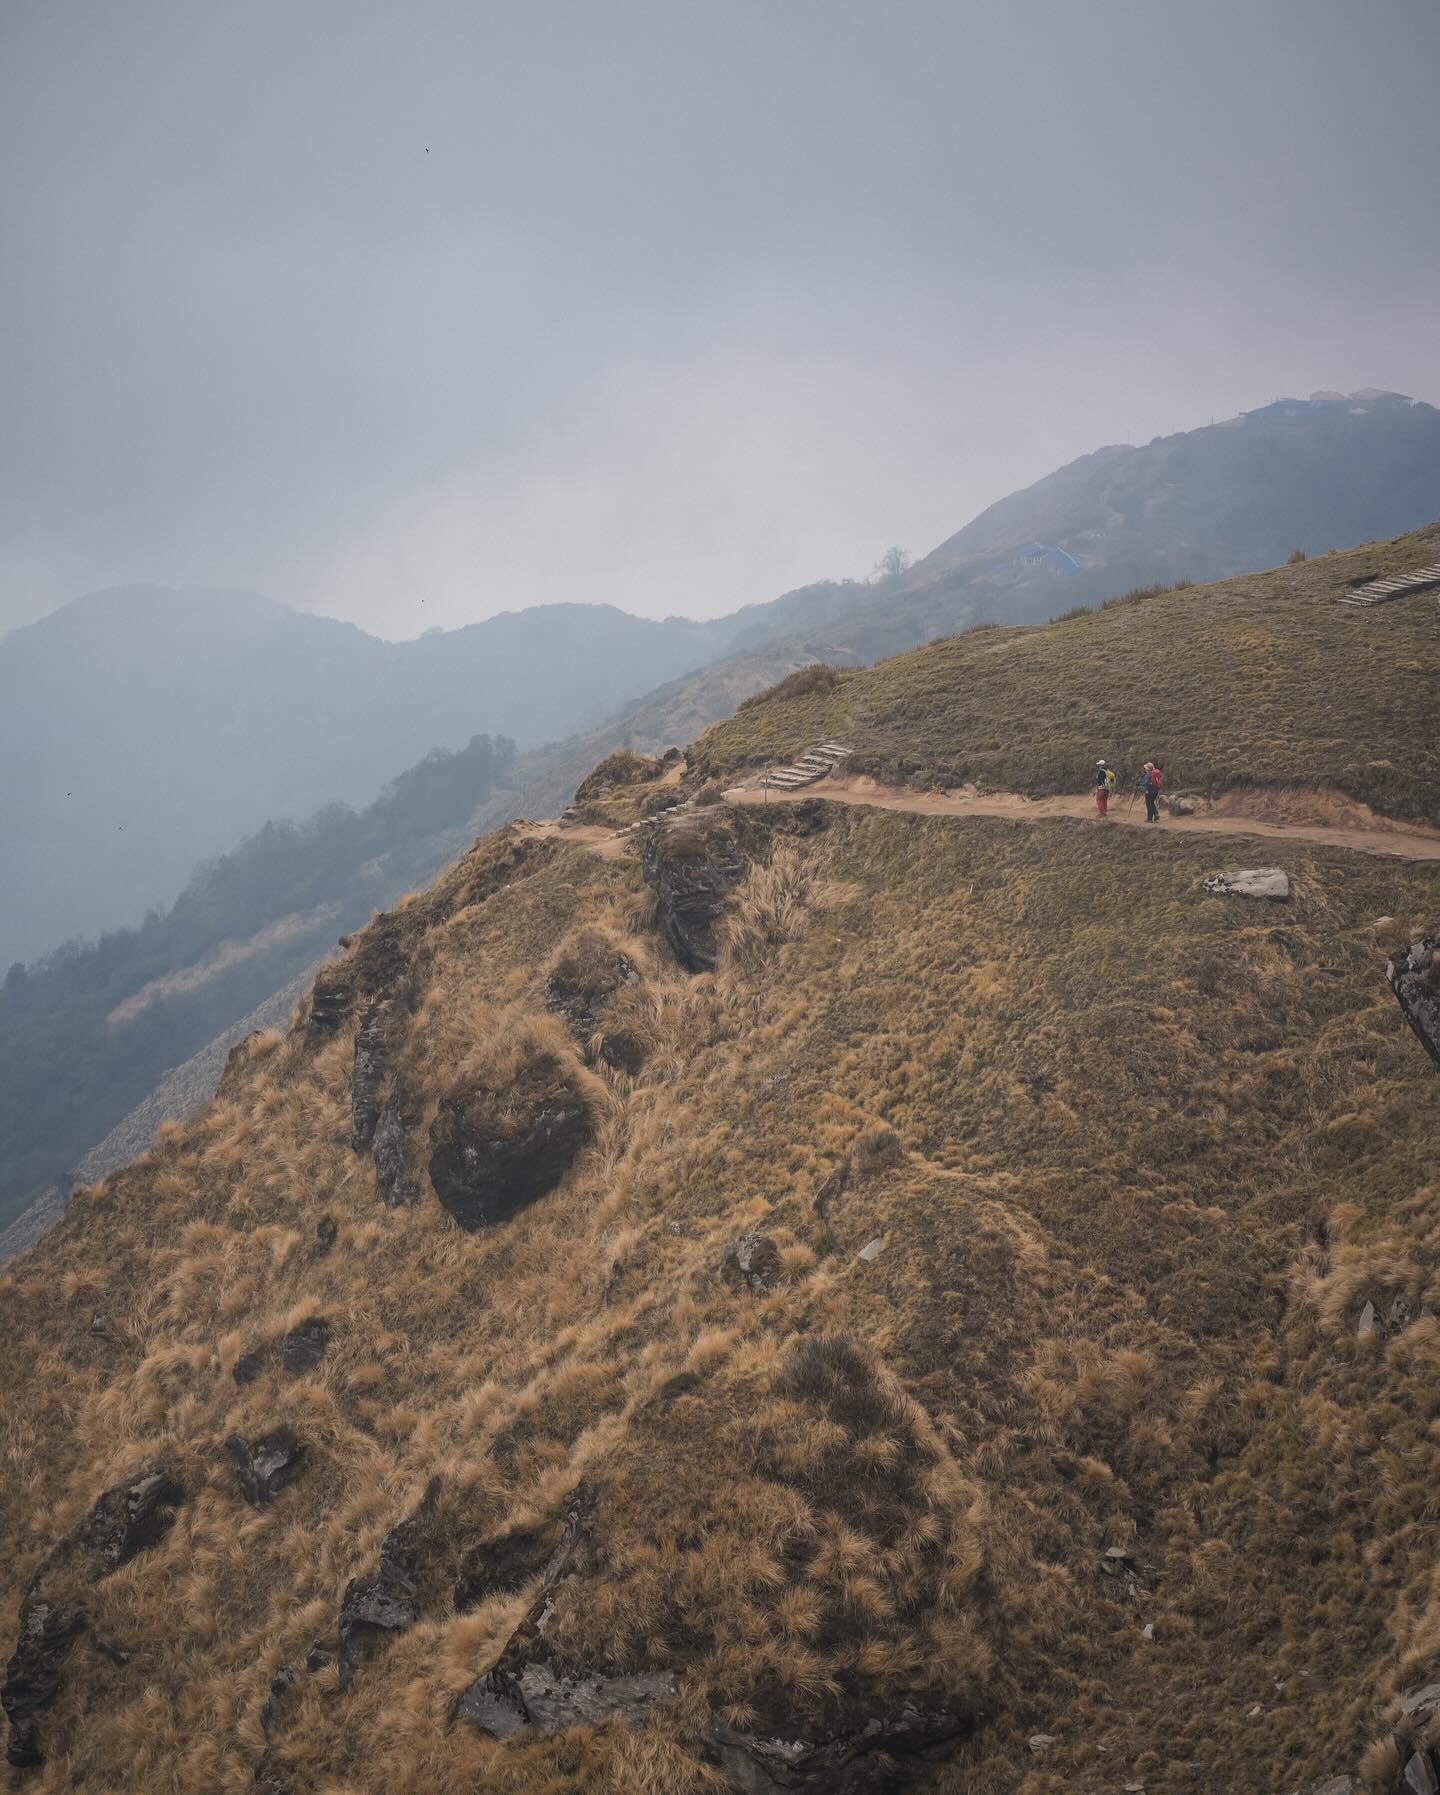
[544, 1698]
[754, 1260]
[872, 1249]
[34, 1674]
[495, 1150]
[266, 1465]
[1252, 882]
[879, 1756]
[1336, 1785]
[246, 1368]
[133, 1515]
[1415, 979]
[327, 1231]
[303, 1347]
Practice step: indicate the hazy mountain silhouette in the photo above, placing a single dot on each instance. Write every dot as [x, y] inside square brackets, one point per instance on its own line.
[144, 729]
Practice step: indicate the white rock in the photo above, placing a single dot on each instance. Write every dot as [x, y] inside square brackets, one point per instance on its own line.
[1251, 881]
[1367, 1320]
[872, 1249]
[1148, 1630]
[1039, 1742]
[1257, 1709]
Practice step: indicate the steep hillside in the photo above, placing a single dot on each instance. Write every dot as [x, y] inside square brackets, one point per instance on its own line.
[1263, 681]
[816, 1299]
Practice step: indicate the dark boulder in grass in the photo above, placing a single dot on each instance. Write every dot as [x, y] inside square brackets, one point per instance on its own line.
[266, 1465]
[133, 1515]
[303, 1347]
[753, 1260]
[1414, 977]
[506, 1133]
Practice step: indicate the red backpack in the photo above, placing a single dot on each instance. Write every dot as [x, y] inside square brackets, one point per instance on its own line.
[1156, 780]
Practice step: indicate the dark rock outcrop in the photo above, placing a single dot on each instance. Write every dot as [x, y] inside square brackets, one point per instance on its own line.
[485, 1166]
[527, 1687]
[35, 1672]
[392, 1158]
[246, 1368]
[304, 1346]
[331, 1001]
[693, 872]
[266, 1465]
[131, 1516]
[500, 1704]
[586, 975]
[881, 1756]
[368, 1079]
[754, 1260]
[388, 1601]
[1415, 979]
[327, 1231]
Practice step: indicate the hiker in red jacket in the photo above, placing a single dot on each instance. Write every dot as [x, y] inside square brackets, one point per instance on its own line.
[1150, 782]
[1104, 779]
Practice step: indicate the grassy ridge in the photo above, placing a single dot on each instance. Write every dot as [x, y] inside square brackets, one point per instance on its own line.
[1261, 680]
[1152, 1152]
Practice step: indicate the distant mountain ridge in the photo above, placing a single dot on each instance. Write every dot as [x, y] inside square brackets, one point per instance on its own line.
[144, 729]
[147, 730]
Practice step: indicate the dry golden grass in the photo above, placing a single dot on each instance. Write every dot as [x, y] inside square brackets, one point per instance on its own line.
[1137, 1156]
[1259, 681]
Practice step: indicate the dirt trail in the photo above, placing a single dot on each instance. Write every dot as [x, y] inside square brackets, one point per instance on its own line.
[1390, 840]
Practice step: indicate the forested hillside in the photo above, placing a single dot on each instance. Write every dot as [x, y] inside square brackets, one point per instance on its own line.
[87, 1032]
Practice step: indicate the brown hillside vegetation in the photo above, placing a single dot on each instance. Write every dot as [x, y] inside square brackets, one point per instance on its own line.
[977, 1334]
[1263, 680]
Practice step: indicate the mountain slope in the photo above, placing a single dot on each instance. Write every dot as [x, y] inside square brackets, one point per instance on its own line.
[1314, 474]
[931, 1328]
[1258, 681]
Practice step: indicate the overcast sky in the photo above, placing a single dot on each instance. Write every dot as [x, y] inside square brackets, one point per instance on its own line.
[670, 304]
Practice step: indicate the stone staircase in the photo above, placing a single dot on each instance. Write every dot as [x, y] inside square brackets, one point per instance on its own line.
[1381, 592]
[810, 767]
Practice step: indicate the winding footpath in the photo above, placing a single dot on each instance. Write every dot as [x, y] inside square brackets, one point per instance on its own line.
[1389, 839]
